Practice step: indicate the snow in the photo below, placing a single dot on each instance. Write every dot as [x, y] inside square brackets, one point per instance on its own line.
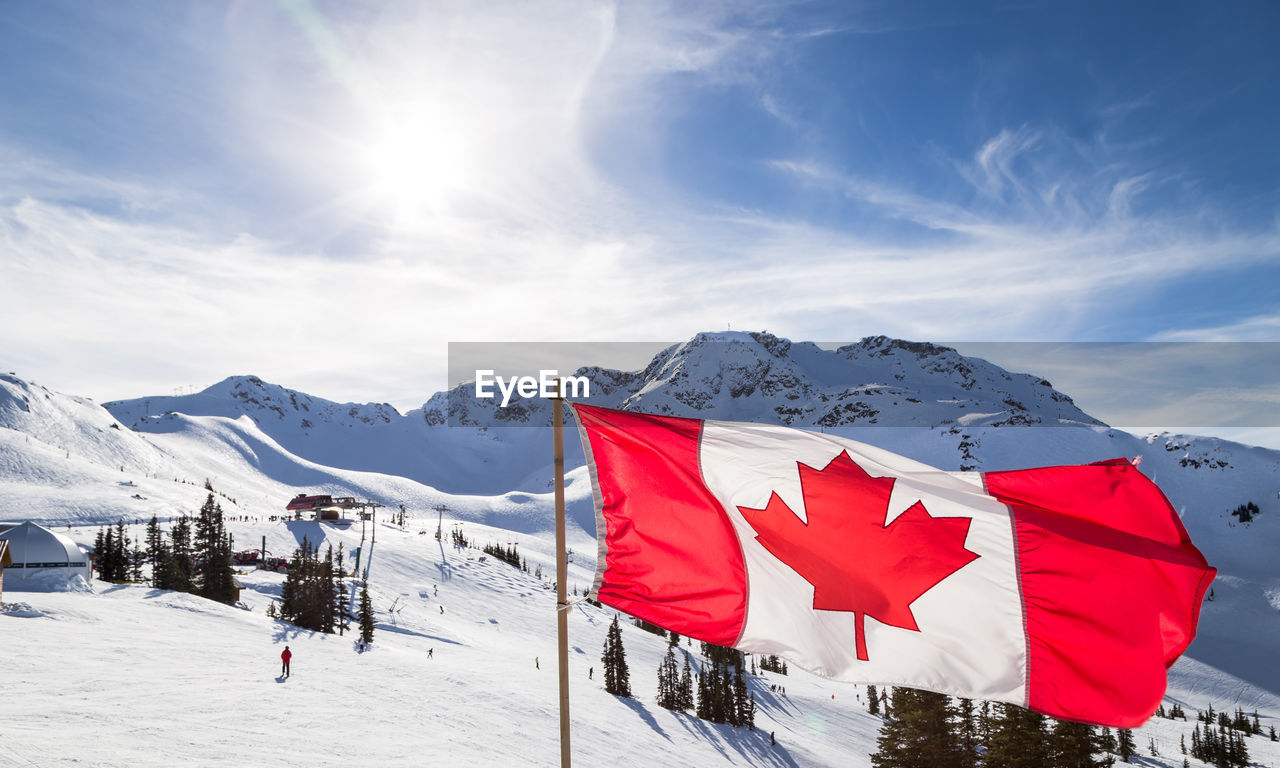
[126, 675]
[136, 676]
[129, 675]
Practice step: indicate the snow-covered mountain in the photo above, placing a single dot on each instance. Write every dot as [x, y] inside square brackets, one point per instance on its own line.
[66, 460]
[462, 444]
[744, 376]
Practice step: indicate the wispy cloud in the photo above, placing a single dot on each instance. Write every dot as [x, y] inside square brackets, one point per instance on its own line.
[1255, 328]
[292, 264]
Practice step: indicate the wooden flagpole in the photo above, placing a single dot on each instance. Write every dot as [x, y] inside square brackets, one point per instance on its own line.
[562, 602]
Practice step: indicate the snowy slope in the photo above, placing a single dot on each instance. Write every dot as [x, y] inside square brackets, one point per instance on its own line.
[65, 460]
[137, 677]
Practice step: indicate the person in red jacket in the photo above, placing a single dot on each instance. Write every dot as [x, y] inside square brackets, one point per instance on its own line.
[285, 655]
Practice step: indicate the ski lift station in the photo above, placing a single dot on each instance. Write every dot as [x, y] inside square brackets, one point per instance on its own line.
[40, 560]
[323, 507]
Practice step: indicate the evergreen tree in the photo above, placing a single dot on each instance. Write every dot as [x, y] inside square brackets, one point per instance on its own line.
[703, 706]
[213, 574]
[158, 556]
[1124, 745]
[873, 700]
[967, 733]
[136, 560]
[339, 590]
[181, 554]
[984, 722]
[919, 733]
[366, 613]
[741, 699]
[668, 682]
[120, 554]
[685, 702]
[328, 594]
[100, 555]
[617, 678]
[1073, 745]
[1018, 739]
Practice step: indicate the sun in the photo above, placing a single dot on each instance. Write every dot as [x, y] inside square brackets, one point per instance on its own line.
[419, 160]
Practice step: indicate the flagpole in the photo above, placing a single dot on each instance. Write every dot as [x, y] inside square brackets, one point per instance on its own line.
[562, 604]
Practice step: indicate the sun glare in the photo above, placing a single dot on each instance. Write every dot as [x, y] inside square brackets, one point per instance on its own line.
[419, 162]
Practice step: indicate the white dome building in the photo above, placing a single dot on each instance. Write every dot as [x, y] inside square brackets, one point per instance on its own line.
[42, 559]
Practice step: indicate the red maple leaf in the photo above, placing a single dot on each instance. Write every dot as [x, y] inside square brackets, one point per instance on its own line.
[853, 560]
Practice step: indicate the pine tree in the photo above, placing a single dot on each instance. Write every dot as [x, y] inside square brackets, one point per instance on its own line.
[339, 590]
[1073, 745]
[685, 701]
[668, 682]
[703, 706]
[366, 613]
[136, 558]
[741, 699]
[967, 733]
[617, 678]
[328, 595]
[1018, 739]
[100, 554]
[120, 554]
[1124, 745]
[213, 574]
[1107, 741]
[158, 556]
[873, 700]
[919, 732]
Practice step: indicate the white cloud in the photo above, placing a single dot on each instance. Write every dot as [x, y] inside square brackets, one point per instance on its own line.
[125, 288]
[1256, 328]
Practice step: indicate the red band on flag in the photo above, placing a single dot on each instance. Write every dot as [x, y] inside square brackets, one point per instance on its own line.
[1111, 585]
[671, 556]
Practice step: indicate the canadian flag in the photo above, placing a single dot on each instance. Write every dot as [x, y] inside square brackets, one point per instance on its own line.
[1067, 590]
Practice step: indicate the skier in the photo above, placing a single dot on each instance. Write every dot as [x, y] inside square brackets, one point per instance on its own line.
[536, 665]
[285, 655]
[590, 671]
[430, 651]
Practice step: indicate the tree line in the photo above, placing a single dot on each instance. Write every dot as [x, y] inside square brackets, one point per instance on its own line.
[922, 728]
[720, 683]
[195, 557]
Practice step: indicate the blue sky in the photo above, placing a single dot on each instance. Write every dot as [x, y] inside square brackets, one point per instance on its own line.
[325, 194]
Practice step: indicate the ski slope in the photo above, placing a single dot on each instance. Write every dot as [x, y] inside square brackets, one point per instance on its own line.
[128, 675]
[125, 675]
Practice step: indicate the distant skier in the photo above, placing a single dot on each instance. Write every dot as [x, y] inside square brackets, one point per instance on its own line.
[430, 652]
[442, 609]
[536, 665]
[590, 671]
[285, 655]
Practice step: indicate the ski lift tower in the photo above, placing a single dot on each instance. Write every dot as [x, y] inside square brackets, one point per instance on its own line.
[440, 510]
